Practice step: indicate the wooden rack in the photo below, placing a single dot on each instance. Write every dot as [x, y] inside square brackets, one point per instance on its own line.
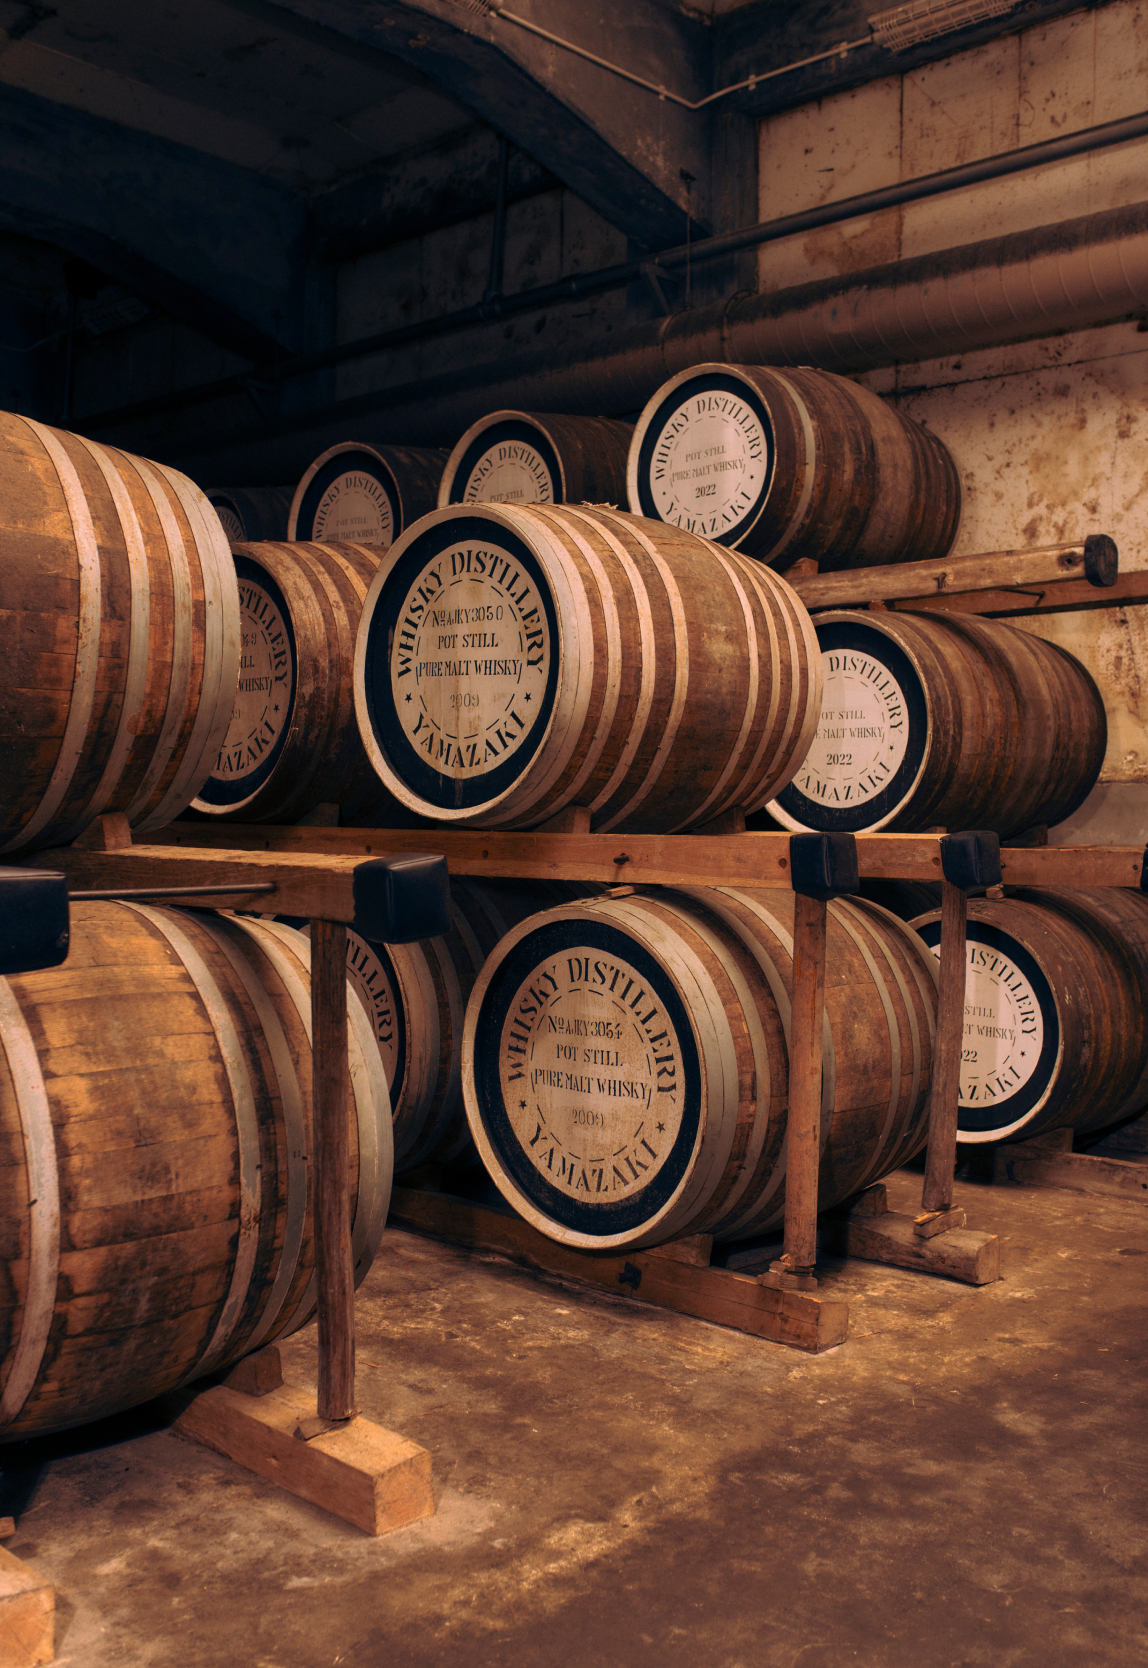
[311, 869]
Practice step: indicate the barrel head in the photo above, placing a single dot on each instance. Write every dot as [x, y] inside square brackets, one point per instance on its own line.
[403, 898]
[34, 926]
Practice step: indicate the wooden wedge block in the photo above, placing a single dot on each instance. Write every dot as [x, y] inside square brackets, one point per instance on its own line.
[934, 1222]
[1031, 1165]
[27, 1615]
[695, 1249]
[258, 1374]
[961, 1254]
[358, 1471]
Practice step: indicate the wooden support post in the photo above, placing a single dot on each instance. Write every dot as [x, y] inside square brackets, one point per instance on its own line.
[941, 1158]
[803, 1129]
[334, 1272]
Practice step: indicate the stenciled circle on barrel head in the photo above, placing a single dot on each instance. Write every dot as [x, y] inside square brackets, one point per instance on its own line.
[265, 697]
[706, 460]
[1011, 1041]
[872, 736]
[461, 663]
[230, 520]
[372, 973]
[350, 498]
[508, 463]
[587, 1072]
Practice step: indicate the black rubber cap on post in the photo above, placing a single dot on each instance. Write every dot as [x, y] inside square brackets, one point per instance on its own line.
[34, 927]
[824, 865]
[1101, 559]
[403, 898]
[971, 860]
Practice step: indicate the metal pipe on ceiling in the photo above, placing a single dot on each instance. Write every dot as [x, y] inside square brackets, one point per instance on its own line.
[1071, 275]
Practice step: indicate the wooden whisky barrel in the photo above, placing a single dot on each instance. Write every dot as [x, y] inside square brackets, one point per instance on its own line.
[514, 660]
[121, 644]
[521, 457]
[250, 514]
[155, 1127]
[1056, 1011]
[365, 494]
[416, 995]
[292, 743]
[793, 463]
[625, 1062]
[942, 719]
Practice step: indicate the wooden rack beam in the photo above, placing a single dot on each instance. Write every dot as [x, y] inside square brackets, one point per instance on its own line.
[630, 859]
[988, 583]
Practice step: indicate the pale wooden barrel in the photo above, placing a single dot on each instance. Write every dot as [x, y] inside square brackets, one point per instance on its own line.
[943, 719]
[625, 1062]
[249, 514]
[121, 636]
[524, 457]
[515, 660]
[1056, 1011]
[292, 742]
[361, 493]
[793, 463]
[416, 995]
[155, 1133]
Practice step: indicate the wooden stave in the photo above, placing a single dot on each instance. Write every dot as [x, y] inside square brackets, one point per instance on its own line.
[127, 641]
[322, 760]
[1091, 945]
[590, 453]
[855, 482]
[720, 929]
[110, 1294]
[429, 983]
[995, 696]
[259, 513]
[411, 475]
[601, 565]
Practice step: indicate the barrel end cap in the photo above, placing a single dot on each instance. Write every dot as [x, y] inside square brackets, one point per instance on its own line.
[824, 865]
[34, 923]
[971, 859]
[403, 898]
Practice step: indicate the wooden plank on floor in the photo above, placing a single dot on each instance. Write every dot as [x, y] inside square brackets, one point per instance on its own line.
[963, 1254]
[801, 1319]
[356, 1470]
[1030, 1165]
[27, 1614]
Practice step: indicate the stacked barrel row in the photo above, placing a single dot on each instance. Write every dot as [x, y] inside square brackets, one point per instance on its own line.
[155, 1090]
[783, 465]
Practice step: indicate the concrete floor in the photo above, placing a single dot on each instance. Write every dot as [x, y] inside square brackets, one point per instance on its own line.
[961, 1483]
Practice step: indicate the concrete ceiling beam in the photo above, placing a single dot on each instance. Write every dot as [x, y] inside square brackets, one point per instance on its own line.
[418, 192]
[211, 243]
[620, 148]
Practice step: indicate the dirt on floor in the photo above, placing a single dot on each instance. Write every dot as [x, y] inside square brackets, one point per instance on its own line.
[959, 1485]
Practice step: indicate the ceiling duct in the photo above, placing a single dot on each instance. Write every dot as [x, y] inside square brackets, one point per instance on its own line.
[924, 20]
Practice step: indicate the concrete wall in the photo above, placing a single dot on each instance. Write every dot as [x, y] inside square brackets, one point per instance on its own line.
[1050, 436]
[547, 237]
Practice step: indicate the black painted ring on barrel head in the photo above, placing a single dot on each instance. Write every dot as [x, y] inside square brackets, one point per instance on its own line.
[971, 859]
[1101, 559]
[824, 865]
[34, 921]
[400, 899]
